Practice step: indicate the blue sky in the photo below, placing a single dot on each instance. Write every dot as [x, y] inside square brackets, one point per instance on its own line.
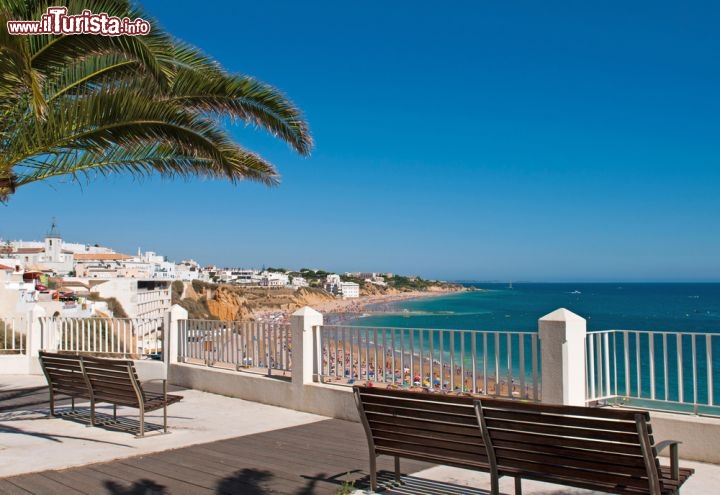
[544, 141]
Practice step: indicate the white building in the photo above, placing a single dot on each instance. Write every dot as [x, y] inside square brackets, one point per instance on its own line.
[298, 282]
[187, 270]
[246, 276]
[139, 298]
[349, 290]
[52, 255]
[332, 283]
[274, 279]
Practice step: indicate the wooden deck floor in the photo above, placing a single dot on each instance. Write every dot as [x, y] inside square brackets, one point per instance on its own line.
[311, 459]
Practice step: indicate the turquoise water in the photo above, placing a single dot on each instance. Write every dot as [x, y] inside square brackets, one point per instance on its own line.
[687, 308]
[618, 306]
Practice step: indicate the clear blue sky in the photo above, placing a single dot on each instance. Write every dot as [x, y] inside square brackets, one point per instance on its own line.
[543, 141]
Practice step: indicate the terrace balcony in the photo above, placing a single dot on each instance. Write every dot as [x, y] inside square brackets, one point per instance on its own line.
[264, 412]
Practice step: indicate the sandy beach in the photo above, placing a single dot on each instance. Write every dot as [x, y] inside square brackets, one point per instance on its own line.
[343, 309]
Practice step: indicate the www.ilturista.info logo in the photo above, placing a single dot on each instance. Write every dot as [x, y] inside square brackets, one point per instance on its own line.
[57, 21]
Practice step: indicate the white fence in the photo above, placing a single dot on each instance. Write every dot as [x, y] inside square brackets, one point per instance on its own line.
[13, 335]
[239, 345]
[122, 337]
[492, 363]
[662, 370]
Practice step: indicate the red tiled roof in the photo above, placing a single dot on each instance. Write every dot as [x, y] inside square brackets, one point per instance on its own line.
[30, 250]
[101, 257]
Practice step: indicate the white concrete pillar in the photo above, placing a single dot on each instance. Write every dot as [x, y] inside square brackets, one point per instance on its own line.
[303, 344]
[172, 333]
[35, 338]
[562, 343]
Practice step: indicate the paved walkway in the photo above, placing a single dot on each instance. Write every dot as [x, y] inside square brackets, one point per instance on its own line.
[217, 445]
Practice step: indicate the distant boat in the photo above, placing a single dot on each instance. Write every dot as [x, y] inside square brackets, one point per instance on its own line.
[576, 292]
[510, 285]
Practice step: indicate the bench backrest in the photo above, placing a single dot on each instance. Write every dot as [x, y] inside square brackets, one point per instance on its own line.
[64, 374]
[113, 380]
[576, 446]
[432, 427]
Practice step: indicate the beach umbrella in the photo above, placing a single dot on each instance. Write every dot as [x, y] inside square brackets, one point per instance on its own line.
[416, 378]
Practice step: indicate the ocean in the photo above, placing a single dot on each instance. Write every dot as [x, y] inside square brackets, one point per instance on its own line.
[649, 307]
[674, 307]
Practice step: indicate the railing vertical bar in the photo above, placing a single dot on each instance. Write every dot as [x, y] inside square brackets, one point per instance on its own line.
[535, 356]
[412, 358]
[680, 366]
[709, 360]
[463, 379]
[693, 344]
[509, 365]
[521, 356]
[392, 354]
[638, 365]
[473, 343]
[651, 351]
[606, 346]
[441, 345]
[666, 366]
[497, 363]
[422, 357]
[452, 359]
[485, 369]
[375, 356]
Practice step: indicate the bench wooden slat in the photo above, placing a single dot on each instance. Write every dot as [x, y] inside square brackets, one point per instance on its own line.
[422, 403]
[408, 412]
[574, 446]
[429, 427]
[441, 432]
[114, 381]
[562, 410]
[602, 463]
[545, 448]
[558, 430]
[520, 436]
[564, 419]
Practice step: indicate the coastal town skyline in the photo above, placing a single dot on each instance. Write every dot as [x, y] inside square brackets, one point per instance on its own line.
[559, 142]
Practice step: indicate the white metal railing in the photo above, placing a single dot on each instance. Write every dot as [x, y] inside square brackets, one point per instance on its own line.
[493, 363]
[664, 370]
[240, 345]
[13, 335]
[126, 337]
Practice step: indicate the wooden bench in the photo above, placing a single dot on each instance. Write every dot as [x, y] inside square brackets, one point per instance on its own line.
[64, 376]
[112, 381]
[423, 426]
[602, 449]
[115, 381]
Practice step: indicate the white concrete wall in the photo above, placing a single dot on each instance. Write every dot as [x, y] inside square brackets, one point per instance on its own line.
[326, 400]
[700, 436]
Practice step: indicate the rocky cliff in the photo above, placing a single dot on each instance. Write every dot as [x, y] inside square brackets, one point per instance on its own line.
[230, 302]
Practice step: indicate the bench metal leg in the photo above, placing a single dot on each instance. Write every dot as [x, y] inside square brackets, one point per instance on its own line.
[114, 412]
[397, 469]
[373, 472]
[142, 423]
[165, 405]
[52, 402]
[518, 485]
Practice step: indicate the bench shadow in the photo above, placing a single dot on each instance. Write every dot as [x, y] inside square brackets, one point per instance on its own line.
[413, 485]
[11, 430]
[140, 487]
[246, 481]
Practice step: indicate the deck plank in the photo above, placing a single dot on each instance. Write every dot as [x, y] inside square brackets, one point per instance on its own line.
[310, 459]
